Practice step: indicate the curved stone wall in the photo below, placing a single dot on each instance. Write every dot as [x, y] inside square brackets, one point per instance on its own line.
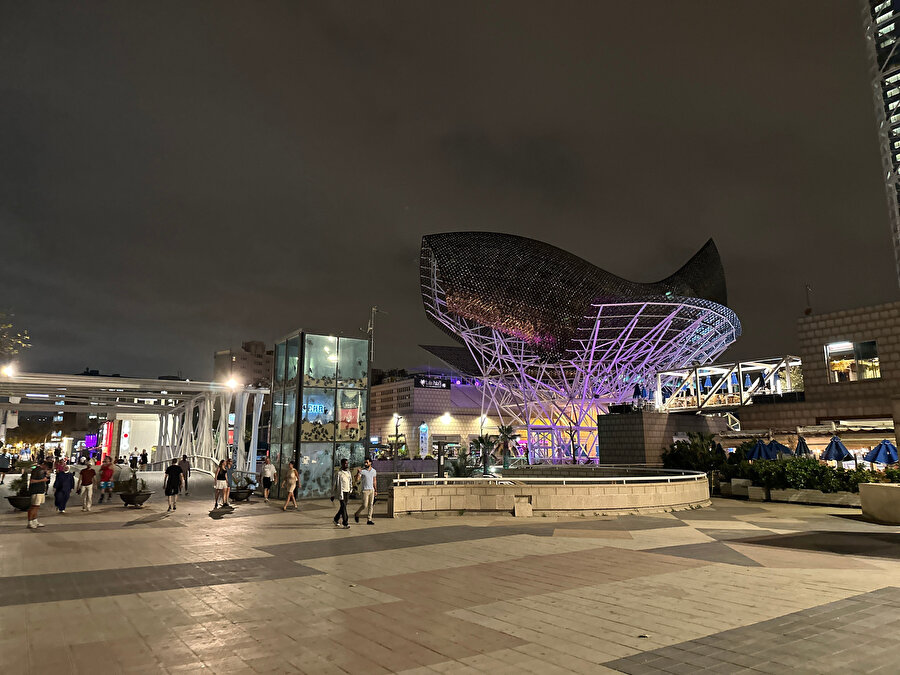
[529, 497]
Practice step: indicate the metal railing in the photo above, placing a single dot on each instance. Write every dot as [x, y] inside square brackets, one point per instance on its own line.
[664, 476]
[200, 463]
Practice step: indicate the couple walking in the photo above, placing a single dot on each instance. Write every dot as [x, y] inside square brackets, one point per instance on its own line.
[342, 486]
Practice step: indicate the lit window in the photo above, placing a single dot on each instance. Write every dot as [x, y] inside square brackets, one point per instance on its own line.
[884, 17]
[852, 361]
[889, 41]
[892, 79]
[887, 29]
[880, 7]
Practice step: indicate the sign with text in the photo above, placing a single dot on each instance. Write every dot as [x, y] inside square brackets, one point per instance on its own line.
[423, 382]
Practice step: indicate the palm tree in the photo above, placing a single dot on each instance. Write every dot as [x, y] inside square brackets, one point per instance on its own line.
[505, 435]
[485, 444]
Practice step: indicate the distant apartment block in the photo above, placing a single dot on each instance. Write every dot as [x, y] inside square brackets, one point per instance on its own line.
[251, 365]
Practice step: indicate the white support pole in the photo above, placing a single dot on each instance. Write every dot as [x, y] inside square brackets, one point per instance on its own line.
[254, 434]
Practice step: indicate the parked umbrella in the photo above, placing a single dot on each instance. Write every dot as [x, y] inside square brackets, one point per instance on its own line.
[802, 449]
[707, 383]
[747, 382]
[836, 451]
[761, 450]
[779, 448]
[883, 453]
[734, 380]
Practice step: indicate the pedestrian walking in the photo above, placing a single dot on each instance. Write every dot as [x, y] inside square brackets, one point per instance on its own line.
[5, 464]
[86, 485]
[106, 479]
[62, 487]
[268, 477]
[132, 461]
[369, 491]
[221, 484]
[37, 488]
[229, 479]
[341, 490]
[291, 483]
[144, 460]
[174, 482]
[185, 465]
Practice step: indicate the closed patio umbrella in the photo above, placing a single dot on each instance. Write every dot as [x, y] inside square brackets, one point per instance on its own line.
[802, 449]
[836, 451]
[780, 448]
[883, 453]
[761, 451]
[747, 382]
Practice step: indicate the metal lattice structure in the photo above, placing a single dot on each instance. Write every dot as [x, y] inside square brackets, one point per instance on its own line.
[557, 340]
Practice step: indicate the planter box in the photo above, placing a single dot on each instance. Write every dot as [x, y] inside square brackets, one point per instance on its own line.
[725, 488]
[881, 502]
[816, 497]
[740, 487]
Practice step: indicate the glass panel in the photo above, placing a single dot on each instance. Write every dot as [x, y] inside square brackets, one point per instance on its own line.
[849, 362]
[355, 453]
[841, 361]
[320, 361]
[289, 427]
[317, 415]
[293, 357]
[277, 416]
[351, 415]
[279, 364]
[867, 364]
[316, 469]
[353, 363]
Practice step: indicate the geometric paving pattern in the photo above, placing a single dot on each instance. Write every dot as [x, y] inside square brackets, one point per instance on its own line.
[856, 635]
[735, 587]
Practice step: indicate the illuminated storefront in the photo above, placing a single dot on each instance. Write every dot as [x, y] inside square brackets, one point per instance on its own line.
[319, 408]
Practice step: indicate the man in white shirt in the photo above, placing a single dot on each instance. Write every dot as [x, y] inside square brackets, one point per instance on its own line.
[268, 477]
[341, 490]
[366, 478]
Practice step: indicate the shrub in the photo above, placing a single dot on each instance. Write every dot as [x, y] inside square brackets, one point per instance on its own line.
[698, 453]
[803, 473]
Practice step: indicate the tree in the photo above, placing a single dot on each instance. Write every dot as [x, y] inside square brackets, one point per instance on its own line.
[11, 340]
[484, 444]
[506, 435]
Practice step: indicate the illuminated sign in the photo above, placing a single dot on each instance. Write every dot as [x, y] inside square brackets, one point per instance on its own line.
[313, 408]
[422, 382]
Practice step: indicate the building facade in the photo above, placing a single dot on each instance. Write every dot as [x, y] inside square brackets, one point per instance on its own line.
[881, 20]
[416, 413]
[851, 372]
[250, 365]
[320, 394]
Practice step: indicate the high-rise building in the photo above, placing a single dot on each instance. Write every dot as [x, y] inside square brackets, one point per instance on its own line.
[251, 365]
[881, 19]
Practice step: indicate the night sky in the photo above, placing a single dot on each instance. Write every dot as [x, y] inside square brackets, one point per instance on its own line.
[176, 177]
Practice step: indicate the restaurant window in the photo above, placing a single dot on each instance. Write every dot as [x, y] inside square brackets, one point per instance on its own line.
[852, 361]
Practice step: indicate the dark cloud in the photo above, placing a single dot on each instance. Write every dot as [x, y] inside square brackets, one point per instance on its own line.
[176, 177]
[532, 166]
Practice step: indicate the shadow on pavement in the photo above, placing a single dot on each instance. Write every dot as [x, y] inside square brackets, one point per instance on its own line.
[869, 544]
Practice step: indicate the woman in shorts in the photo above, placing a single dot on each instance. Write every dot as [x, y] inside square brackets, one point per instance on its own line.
[221, 484]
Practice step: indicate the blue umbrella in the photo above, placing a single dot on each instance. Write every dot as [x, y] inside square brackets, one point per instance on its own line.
[883, 453]
[747, 382]
[802, 449]
[761, 451]
[708, 382]
[779, 448]
[734, 380]
[836, 451]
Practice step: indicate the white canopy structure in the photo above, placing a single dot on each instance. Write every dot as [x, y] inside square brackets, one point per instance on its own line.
[193, 416]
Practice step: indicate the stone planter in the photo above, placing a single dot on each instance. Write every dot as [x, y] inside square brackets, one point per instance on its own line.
[881, 502]
[135, 499]
[20, 502]
[815, 497]
[740, 487]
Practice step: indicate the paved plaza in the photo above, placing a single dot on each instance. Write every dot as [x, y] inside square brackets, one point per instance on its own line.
[732, 588]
